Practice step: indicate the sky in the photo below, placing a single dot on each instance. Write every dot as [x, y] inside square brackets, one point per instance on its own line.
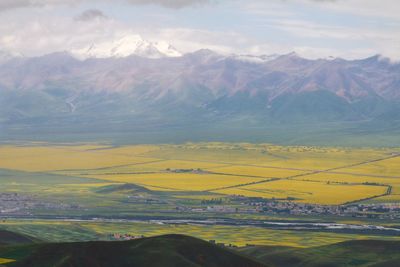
[312, 28]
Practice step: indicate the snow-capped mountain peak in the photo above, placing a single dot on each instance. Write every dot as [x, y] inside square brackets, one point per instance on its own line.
[126, 46]
[255, 59]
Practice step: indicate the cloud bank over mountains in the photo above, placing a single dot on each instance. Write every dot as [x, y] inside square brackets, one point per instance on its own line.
[13, 4]
[313, 28]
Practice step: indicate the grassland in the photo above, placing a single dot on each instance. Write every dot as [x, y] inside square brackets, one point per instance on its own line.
[61, 231]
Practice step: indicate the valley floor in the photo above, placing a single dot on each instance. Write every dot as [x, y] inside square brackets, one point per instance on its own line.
[295, 196]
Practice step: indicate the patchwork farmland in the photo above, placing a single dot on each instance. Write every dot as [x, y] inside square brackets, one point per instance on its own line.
[317, 175]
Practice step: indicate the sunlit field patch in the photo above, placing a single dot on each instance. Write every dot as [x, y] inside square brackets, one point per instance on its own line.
[44, 159]
[225, 154]
[301, 157]
[389, 167]
[256, 171]
[158, 165]
[180, 181]
[308, 192]
[345, 178]
[5, 261]
[132, 150]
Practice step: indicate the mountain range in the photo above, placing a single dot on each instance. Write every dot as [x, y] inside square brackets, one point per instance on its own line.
[152, 87]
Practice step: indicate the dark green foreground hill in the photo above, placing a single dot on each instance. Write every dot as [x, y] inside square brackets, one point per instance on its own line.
[371, 253]
[185, 251]
[8, 238]
[162, 251]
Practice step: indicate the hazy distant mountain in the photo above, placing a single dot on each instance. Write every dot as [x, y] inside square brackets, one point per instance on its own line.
[6, 56]
[201, 87]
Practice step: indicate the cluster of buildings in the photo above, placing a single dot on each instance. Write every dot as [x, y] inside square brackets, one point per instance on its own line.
[259, 205]
[378, 210]
[196, 171]
[222, 244]
[14, 203]
[125, 237]
[217, 209]
[139, 199]
[22, 204]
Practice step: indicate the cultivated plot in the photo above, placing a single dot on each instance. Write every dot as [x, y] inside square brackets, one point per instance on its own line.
[308, 192]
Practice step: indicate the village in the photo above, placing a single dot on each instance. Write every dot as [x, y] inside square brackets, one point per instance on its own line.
[244, 205]
[16, 204]
[22, 204]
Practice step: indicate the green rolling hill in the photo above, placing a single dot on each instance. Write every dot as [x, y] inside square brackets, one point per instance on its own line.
[186, 251]
[348, 253]
[162, 251]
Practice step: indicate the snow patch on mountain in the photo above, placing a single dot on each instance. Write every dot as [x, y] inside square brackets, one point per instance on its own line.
[255, 59]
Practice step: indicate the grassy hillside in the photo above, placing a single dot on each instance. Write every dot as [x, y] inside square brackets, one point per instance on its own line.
[11, 238]
[349, 253]
[169, 250]
[181, 250]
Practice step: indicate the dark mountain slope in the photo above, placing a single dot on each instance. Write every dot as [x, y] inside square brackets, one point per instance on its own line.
[163, 251]
[185, 251]
[10, 238]
[349, 253]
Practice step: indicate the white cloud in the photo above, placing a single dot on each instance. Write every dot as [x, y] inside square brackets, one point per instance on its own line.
[315, 30]
[170, 3]
[373, 26]
[188, 39]
[51, 33]
[91, 14]
[373, 8]
[274, 26]
[13, 4]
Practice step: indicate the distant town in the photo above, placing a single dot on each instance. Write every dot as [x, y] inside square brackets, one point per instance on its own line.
[260, 205]
[21, 204]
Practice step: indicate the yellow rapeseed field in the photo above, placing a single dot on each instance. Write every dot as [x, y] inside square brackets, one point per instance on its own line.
[51, 158]
[389, 167]
[179, 181]
[256, 171]
[147, 165]
[158, 165]
[344, 178]
[308, 192]
[5, 261]
[132, 150]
